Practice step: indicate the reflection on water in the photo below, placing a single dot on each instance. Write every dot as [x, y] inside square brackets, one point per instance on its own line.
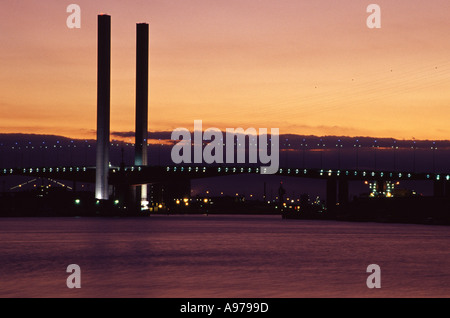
[221, 256]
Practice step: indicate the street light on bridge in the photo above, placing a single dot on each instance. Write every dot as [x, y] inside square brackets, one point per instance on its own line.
[434, 148]
[339, 146]
[286, 159]
[304, 145]
[321, 147]
[395, 147]
[414, 147]
[375, 154]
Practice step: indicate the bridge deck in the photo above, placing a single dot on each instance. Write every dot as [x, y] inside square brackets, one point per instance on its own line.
[149, 174]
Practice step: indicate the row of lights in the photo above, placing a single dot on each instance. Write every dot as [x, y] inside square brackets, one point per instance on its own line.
[31, 170]
[186, 201]
[302, 144]
[78, 202]
[388, 192]
[227, 169]
[321, 172]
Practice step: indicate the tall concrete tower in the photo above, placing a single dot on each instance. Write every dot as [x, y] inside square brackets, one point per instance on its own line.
[103, 106]
[141, 134]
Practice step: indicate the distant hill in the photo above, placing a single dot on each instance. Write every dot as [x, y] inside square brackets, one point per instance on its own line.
[335, 152]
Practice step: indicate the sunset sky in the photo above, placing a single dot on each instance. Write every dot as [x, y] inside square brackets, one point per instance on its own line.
[305, 67]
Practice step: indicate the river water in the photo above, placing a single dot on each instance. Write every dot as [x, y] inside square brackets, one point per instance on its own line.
[221, 256]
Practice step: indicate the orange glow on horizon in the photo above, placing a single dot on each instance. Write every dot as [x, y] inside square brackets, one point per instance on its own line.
[305, 68]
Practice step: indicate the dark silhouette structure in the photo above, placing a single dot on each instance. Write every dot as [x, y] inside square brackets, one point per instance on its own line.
[172, 183]
[142, 70]
[103, 106]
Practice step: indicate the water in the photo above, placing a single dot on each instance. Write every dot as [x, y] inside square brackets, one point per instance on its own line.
[221, 256]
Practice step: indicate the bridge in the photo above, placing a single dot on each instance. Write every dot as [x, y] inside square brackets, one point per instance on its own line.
[147, 174]
[137, 176]
[337, 181]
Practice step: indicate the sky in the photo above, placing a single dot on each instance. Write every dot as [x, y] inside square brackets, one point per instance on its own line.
[305, 67]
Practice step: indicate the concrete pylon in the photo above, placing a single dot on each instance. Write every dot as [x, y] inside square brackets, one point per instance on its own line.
[141, 133]
[103, 106]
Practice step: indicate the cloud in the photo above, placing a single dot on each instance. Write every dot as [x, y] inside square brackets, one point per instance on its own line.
[155, 135]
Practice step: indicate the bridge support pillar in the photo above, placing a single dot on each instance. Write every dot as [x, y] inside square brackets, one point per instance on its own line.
[331, 193]
[343, 192]
[447, 188]
[381, 186]
[141, 195]
[141, 123]
[132, 198]
[438, 188]
[103, 107]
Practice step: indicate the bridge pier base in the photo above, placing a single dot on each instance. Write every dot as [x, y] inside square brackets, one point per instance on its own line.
[381, 185]
[439, 188]
[447, 189]
[331, 193]
[337, 193]
[343, 192]
[141, 195]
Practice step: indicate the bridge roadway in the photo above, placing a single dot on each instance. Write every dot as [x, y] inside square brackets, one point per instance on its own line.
[337, 181]
[135, 175]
